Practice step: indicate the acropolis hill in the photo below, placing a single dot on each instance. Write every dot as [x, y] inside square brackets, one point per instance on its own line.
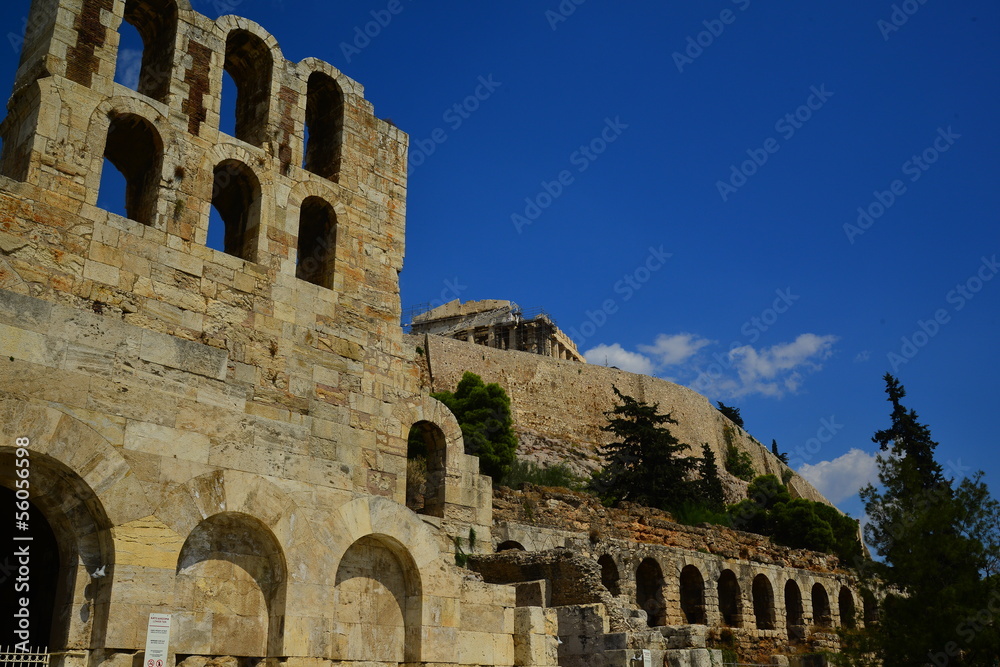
[221, 435]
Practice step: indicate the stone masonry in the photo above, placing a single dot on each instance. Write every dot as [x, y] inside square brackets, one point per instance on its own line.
[222, 435]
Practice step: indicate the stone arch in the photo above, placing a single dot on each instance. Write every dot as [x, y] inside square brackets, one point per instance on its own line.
[134, 147]
[870, 607]
[156, 23]
[763, 602]
[83, 487]
[316, 250]
[730, 599]
[324, 126]
[253, 58]
[401, 532]
[146, 186]
[231, 578]
[510, 545]
[821, 606]
[261, 215]
[445, 448]
[846, 607]
[236, 195]
[378, 603]
[794, 612]
[692, 590]
[649, 591]
[425, 469]
[609, 574]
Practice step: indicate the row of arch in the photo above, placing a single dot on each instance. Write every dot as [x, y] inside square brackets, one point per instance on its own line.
[134, 147]
[230, 588]
[737, 607]
[250, 59]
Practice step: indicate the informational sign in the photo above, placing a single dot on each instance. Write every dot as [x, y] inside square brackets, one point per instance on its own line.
[157, 640]
[647, 658]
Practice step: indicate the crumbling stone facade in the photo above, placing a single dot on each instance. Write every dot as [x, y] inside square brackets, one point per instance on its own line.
[222, 435]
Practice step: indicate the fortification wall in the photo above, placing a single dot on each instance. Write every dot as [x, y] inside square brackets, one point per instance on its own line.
[558, 406]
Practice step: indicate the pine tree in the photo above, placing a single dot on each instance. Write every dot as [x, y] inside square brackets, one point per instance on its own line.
[774, 450]
[645, 464]
[938, 540]
[710, 491]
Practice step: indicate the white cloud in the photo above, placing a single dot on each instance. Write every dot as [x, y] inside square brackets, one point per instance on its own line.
[842, 477]
[775, 370]
[128, 68]
[862, 356]
[616, 355]
[675, 349]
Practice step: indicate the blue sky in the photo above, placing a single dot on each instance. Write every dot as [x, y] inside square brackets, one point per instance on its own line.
[679, 185]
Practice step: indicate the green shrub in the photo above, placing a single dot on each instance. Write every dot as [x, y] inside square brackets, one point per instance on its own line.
[558, 475]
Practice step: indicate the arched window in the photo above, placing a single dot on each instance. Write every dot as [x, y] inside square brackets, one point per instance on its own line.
[147, 66]
[793, 606]
[821, 606]
[845, 602]
[135, 149]
[693, 595]
[609, 574]
[249, 63]
[317, 242]
[763, 602]
[649, 592]
[425, 469]
[870, 608]
[236, 198]
[324, 126]
[730, 600]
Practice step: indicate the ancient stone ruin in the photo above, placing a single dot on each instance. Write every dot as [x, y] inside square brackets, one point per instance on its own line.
[221, 436]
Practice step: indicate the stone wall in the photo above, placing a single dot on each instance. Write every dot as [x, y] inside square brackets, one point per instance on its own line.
[222, 436]
[559, 406]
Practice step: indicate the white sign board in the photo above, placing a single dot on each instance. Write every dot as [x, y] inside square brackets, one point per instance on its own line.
[157, 640]
[647, 658]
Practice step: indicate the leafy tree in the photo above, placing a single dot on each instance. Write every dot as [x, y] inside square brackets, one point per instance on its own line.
[798, 523]
[732, 413]
[710, 491]
[939, 541]
[645, 464]
[483, 412]
[774, 450]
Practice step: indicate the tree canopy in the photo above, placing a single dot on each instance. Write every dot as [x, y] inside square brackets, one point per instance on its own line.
[483, 412]
[939, 542]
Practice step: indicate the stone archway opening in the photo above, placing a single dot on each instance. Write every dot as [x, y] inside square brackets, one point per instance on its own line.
[378, 603]
[730, 600]
[71, 554]
[794, 612]
[845, 603]
[649, 592]
[870, 607]
[763, 602]
[693, 595]
[821, 607]
[609, 574]
[425, 469]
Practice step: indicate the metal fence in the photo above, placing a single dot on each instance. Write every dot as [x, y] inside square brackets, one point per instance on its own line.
[33, 658]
